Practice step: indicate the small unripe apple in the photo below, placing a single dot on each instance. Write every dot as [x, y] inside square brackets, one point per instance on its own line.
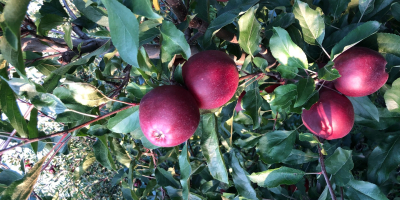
[362, 72]
[332, 117]
[211, 76]
[168, 115]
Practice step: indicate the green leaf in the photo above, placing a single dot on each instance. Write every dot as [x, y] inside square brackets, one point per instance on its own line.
[285, 95]
[365, 108]
[67, 36]
[305, 90]
[365, 6]
[275, 177]
[384, 159]
[10, 108]
[286, 51]
[340, 164]
[288, 72]
[173, 42]
[53, 7]
[128, 194]
[239, 176]
[138, 90]
[84, 165]
[252, 102]
[142, 8]
[328, 73]
[48, 103]
[14, 57]
[22, 188]
[274, 147]
[120, 153]
[354, 37]
[32, 129]
[386, 43]
[124, 30]
[249, 29]
[46, 66]
[13, 15]
[93, 13]
[125, 121]
[298, 157]
[225, 17]
[64, 69]
[165, 178]
[336, 36]
[186, 171]
[395, 8]
[102, 153]
[311, 22]
[386, 119]
[49, 22]
[361, 190]
[392, 97]
[8, 176]
[379, 5]
[210, 148]
[337, 7]
[86, 94]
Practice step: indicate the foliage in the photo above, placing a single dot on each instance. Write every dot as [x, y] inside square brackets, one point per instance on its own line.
[85, 65]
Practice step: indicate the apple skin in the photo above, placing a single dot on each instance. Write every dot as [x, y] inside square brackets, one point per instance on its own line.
[212, 77]
[271, 88]
[168, 115]
[362, 72]
[332, 117]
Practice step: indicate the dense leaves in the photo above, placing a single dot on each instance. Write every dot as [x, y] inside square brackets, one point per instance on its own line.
[73, 73]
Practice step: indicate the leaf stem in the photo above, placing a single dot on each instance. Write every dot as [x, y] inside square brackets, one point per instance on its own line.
[81, 113]
[321, 160]
[327, 54]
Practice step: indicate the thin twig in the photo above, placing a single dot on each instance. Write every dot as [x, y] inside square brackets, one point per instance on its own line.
[321, 160]
[276, 119]
[341, 193]
[67, 131]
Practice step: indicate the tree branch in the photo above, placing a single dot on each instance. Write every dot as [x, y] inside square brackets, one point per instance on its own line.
[321, 160]
[67, 131]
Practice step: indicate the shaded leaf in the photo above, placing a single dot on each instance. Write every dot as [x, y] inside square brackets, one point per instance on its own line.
[67, 36]
[33, 129]
[142, 8]
[274, 147]
[186, 171]
[49, 22]
[48, 103]
[120, 153]
[354, 37]
[164, 178]
[53, 7]
[239, 176]
[395, 8]
[305, 90]
[365, 6]
[340, 164]
[8, 176]
[210, 148]
[285, 95]
[102, 153]
[298, 157]
[252, 102]
[93, 13]
[361, 190]
[364, 107]
[337, 7]
[384, 159]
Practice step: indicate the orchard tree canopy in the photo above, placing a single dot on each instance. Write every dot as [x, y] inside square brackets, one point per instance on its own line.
[85, 65]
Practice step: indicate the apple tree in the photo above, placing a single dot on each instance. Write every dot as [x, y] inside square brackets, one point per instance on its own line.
[287, 130]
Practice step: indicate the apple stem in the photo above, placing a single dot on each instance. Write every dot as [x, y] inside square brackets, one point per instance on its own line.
[321, 160]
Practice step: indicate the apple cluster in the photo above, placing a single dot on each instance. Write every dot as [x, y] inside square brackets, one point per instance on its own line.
[362, 73]
[169, 114]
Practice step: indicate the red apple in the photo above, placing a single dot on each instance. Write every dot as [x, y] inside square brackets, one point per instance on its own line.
[239, 103]
[168, 115]
[271, 88]
[332, 117]
[211, 76]
[362, 72]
